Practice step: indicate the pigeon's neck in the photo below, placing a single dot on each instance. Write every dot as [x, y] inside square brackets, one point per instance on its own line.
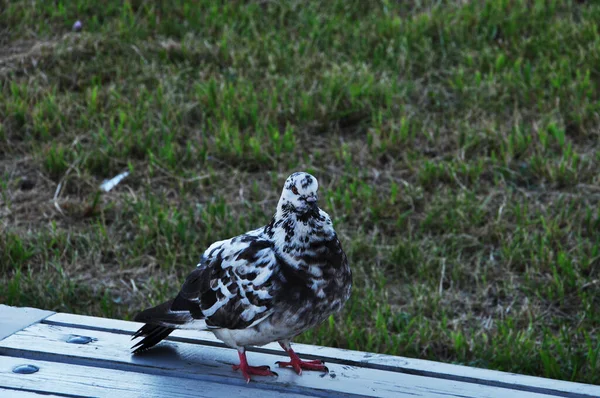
[297, 234]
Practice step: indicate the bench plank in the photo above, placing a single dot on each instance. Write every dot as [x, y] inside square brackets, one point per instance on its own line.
[10, 393]
[85, 381]
[212, 364]
[357, 358]
[13, 319]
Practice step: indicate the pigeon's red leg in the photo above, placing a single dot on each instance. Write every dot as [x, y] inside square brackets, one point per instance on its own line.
[297, 364]
[248, 370]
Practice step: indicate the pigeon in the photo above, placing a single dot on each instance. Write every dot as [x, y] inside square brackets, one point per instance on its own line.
[269, 284]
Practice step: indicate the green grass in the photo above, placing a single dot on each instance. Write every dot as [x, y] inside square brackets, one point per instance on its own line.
[457, 146]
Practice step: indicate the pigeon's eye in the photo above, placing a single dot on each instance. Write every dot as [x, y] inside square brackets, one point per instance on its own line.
[295, 190]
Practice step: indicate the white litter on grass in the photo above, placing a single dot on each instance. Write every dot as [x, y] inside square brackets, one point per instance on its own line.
[107, 185]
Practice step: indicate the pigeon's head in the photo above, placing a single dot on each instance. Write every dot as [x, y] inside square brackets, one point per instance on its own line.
[300, 193]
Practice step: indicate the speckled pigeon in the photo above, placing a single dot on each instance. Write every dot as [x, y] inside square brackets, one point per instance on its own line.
[269, 284]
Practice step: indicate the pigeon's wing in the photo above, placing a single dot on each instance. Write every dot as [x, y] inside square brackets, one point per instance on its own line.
[233, 286]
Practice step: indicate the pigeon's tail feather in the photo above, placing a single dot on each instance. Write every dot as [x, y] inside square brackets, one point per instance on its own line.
[155, 314]
[153, 334]
[159, 321]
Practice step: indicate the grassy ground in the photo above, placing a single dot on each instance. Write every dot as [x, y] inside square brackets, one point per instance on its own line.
[457, 146]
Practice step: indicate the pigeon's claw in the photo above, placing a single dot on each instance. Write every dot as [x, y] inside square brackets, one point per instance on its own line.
[297, 364]
[248, 370]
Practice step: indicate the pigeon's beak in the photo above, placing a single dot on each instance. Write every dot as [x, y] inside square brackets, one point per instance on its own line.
[312, 201]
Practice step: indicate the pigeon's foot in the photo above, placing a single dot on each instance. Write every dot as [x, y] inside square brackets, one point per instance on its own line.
[248, 370]
[298, 364]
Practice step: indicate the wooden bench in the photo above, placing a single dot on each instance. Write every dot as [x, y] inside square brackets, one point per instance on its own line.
[67, 355]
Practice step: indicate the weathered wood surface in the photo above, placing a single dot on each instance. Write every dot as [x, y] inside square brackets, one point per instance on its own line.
[13, 319]
[10, 393]
[197, 364]
[360, 359]
[85, 381]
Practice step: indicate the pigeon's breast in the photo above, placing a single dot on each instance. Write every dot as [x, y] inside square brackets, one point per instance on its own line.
[315, 284]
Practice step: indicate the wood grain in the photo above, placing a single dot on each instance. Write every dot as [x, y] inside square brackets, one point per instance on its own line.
[212, 364]
[10, 393]
[84, 381]
[13, 319]
[359, 359]
[196, 363]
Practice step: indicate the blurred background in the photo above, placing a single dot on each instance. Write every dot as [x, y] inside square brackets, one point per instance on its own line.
[456, 144]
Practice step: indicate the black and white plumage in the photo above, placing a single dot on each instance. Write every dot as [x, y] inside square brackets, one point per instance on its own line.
[269, 284]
